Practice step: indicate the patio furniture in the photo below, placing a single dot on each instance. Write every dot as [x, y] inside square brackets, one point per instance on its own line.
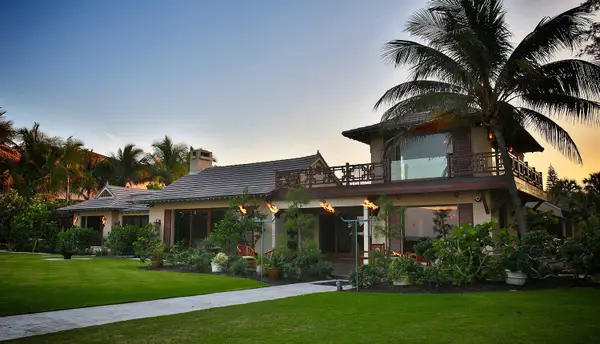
[247, 253]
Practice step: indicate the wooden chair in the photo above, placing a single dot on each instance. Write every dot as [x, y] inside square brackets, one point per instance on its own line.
[247, 253]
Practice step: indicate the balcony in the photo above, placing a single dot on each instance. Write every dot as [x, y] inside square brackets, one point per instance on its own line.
[452, 166]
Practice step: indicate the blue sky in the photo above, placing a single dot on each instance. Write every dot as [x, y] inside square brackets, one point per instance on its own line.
[248, 80]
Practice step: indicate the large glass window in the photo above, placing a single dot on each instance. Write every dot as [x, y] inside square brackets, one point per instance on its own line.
[424, 157]
[135, 220]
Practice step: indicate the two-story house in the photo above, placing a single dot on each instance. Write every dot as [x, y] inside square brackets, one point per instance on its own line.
[455, 169]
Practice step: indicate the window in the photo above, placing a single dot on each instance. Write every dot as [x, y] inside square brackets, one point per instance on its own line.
[136, 220]
[425, 157]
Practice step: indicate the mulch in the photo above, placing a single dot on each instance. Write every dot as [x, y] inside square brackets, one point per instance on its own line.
[251, 273]
[487, 286]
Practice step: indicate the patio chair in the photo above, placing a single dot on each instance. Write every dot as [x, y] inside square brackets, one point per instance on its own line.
[247, 253]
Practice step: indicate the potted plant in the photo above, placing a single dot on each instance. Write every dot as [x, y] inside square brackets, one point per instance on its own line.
[514, 262]
[65, 244]
[271, 272]
[218, 262]
[158, 255]
[401, 271]
[261, 263]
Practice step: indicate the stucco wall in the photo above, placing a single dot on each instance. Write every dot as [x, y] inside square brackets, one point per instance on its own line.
[479, 140]
[112, 217]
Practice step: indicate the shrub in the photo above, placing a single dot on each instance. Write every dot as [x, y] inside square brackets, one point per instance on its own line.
[238, 267]
[12, 204]
[309, 262]
[77, 240]
[424, 248]
[158, 252]
[369, 276]
[430, 276]
[146, 242]
[65, 243]
[402, 267]
[581, 253]
[34, 224]
[539, 252]
[121, 238]
[191, 258]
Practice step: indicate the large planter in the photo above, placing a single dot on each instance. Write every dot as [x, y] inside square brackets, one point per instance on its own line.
[515, 278]
[261, 270]
[216, 267]
[272, 273]
[157, 264]
[402, 280]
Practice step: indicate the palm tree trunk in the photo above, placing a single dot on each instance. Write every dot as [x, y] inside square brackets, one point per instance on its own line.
[510, 178]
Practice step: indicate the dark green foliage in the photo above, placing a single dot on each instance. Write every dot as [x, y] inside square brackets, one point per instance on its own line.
[11, 204]
[402, 267]
[77, 240]
[541, 220]
[540, 253]
[424, 248]
[297, 223]
[238, 267]
[369, 276]
[381, 224]
[431, 276]
[551, 178]
[440, 224]
[121, 238]
[581, 253]
[236, 228]
[148, 240]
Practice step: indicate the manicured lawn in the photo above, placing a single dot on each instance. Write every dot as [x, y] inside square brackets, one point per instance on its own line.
[550, 316]
[29, 284]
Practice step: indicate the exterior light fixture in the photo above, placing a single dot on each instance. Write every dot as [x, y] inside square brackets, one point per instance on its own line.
[75, 218]
[157, 222]
[490, 136]
[510, 149]
[274, 209]
[103, 220]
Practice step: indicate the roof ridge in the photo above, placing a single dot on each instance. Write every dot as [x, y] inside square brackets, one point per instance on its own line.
[264, 162]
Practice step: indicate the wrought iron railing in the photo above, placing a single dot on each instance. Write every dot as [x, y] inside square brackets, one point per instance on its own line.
[474, 165]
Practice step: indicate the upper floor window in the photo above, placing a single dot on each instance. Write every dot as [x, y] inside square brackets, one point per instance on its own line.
[424, 157]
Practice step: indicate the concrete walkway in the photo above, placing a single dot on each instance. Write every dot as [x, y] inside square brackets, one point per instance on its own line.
[18, 326]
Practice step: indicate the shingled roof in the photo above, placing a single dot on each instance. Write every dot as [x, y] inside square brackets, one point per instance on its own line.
[112, 198]
[227, 181]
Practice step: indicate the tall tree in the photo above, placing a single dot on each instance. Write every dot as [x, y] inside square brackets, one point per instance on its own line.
[71, 166]
[169, 160]
[7, 133]
[129, 166]
[591, 36]
[467, 68]
[551, 178]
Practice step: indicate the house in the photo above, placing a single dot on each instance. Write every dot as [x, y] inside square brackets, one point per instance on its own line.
[113, 205]
[455, 168]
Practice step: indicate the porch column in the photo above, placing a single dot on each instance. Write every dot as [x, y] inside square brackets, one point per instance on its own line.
[273, 231]
[366, 231]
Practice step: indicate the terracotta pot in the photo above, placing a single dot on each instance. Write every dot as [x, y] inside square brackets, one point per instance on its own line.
[272, 273]
[156, 265]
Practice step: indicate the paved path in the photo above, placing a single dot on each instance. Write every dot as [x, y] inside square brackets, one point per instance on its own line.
[18, 326]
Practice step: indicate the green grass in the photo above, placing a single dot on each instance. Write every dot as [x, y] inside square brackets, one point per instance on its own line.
[550, 316]
[29, 284]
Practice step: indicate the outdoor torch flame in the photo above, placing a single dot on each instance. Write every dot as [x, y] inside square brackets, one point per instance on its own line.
[328, 208]
[272, 208]
[103, 220]
[370, 204]
[243, 210]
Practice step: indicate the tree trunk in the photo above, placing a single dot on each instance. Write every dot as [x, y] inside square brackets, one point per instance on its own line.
[510, 178]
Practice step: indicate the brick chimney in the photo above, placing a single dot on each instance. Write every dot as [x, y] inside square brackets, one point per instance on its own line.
[199, 160]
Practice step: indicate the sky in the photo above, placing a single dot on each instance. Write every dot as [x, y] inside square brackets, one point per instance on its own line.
[248, 80]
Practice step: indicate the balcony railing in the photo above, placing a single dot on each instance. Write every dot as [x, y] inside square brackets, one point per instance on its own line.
[467, 165]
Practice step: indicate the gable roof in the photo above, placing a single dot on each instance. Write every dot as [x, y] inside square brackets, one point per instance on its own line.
[112, 198]
[227, 181]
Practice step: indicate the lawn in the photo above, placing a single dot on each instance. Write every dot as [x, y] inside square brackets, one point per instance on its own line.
[549, 316]
[29, 284]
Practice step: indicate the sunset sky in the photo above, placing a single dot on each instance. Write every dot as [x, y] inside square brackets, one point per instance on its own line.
[247, 80]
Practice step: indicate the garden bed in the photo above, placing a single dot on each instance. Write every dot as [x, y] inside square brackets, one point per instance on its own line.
[532, 284]
[251, 274]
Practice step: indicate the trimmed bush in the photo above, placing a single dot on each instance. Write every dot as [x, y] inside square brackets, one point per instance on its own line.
[121, 238]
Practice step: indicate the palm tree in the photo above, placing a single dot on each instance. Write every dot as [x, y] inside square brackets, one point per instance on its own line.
[71, 164]
[7, 133]
[169, 160]
[467, 68]
[129, 166]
